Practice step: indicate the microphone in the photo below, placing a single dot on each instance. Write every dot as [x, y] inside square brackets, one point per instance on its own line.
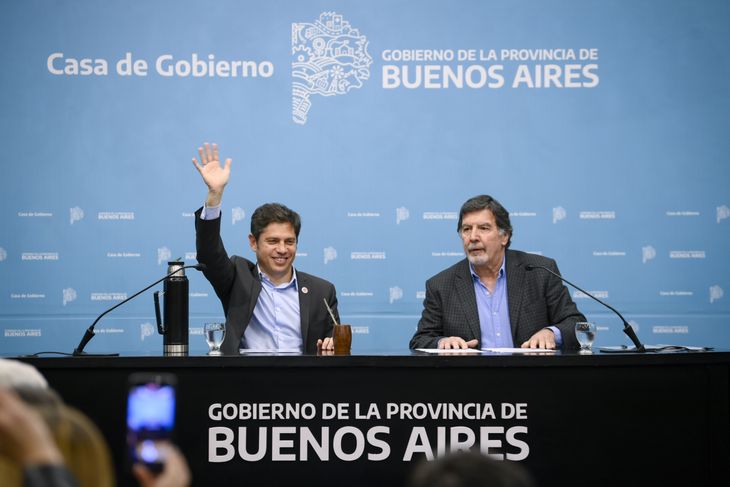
[79, 350]
[627, 328]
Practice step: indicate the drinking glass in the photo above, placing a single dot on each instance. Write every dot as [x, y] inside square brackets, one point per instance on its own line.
[585, 333]
[214, 334]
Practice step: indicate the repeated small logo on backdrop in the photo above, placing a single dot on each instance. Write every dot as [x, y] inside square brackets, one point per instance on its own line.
[723, 212]
[115, 215]
[597, 215]
[330, 254]
[440, 215]
[716, 292]
[39, 256]
[687, 254]
[27, 296]
[597, 294]
[22, 332]
[163, 255]
[69, 295]
[609, 253]
[237, 215]
[670, 329]
[518, 214]
[647, 253]
[401, 214]
[559, 214]
[446, 253]
[394, 294]
[357, 294]
[35, 214]
[329, 58]
[363, 214]
[75, 214]
[115, 296]
[685, 213]
[146, 330]
[368, 255]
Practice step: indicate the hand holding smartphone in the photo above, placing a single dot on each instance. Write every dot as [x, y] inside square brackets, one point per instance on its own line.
[150, 417]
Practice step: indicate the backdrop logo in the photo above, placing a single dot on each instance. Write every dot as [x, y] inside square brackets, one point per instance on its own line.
[597, 215]
[163, 255]
[23, 332]
[237, 215]
[115, 215]
[75, 214]
[3, 254]
[39, 256]
[647, 254]
[401, 214]
[440, 215]
[558, 214]
[716, 292]
[330, 254]
[722, 212]
[368, 255]
[69, 295]
[394, 294]
[329, 58]
[146, 330]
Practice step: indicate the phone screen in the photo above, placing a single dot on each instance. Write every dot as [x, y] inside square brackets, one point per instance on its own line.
[150, 417]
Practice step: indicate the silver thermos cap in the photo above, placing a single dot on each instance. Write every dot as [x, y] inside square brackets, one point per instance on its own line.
[176, 265]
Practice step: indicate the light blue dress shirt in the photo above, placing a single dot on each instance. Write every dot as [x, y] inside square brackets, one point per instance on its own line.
[494, 313]
[276, 323]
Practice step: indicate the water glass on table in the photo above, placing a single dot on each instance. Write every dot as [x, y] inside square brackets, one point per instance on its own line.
[214, 334]
[585, 332]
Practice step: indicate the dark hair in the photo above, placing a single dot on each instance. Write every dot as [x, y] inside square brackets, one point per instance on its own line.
[486, 202]
[470, 469]
[273, 213]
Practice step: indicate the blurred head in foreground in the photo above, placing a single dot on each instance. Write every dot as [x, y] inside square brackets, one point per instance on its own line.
[34, 422]
[469, 469]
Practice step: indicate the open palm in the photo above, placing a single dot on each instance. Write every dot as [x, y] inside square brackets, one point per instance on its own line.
[214, 175]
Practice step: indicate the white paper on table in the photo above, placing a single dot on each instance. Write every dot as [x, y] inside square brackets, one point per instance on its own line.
[246, 351]
[452, 351]
[519, 350]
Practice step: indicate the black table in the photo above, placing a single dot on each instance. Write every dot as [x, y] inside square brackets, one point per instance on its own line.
[570, 419]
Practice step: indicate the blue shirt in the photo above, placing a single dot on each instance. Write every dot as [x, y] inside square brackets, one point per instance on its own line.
[276, 323]
[493, 311]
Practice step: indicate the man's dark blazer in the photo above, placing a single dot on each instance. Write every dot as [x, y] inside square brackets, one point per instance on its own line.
[535, 299]
[237, 284]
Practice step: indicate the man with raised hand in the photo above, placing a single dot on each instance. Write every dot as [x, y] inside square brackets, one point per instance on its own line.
[268, 304]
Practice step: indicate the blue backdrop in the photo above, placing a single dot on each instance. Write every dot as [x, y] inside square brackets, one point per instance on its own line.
[601, 126]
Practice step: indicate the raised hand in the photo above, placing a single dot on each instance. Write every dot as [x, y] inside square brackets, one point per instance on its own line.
[214, 175]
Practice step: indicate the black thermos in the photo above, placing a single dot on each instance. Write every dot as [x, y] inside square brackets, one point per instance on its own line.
[174, 328]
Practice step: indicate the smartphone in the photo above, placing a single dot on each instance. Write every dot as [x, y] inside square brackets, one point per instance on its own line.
[150, 417]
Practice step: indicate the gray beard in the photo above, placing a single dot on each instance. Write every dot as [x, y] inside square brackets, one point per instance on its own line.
[478, 260]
